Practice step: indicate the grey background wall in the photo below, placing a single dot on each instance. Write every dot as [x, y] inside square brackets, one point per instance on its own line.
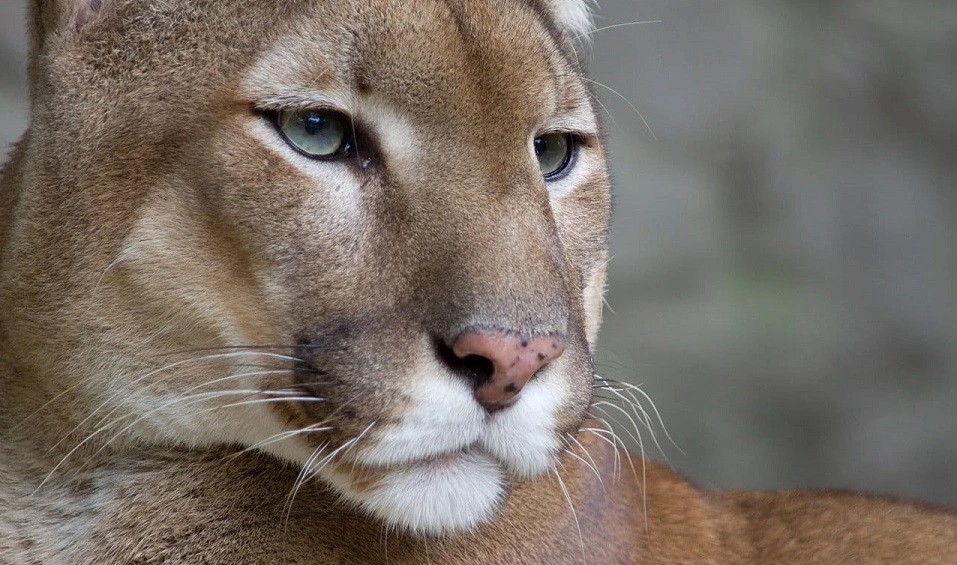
[784, 281]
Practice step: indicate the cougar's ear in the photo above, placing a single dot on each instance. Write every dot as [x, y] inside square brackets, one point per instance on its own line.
[572, 16]
[51, 21]
[50, 17]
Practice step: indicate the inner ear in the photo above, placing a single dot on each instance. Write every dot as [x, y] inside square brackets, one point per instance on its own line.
[85, 12]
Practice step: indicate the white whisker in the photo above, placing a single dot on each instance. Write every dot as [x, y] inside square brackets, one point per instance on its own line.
[590, 458]
[654, 408]
[568, 497]
[622, 96]
[642, 481]
[599, 433]
[189, 400]
[300, 479]
[134, 382]
[592, 32]
[311, 468]
[587, 466]
[318, 427]
[636, 407]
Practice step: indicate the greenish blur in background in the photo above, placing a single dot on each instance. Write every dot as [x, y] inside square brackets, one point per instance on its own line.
[784, 280]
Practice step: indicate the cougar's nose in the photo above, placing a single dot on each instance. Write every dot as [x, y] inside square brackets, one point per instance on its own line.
[513, 361]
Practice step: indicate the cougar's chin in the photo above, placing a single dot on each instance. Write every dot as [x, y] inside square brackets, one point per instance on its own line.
[446, 494]
[456, 488]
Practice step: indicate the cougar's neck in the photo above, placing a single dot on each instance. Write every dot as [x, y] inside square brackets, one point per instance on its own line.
[33, 414]
[11, 174]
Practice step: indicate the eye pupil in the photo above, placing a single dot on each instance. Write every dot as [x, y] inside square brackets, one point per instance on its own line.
[313, 123]
[540, 146]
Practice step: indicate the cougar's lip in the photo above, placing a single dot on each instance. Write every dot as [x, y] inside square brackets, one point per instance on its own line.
[361, 472]
[435, 459]
[469, 450]
[441, 459]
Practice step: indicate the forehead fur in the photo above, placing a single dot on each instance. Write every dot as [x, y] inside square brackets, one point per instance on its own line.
[498, 60]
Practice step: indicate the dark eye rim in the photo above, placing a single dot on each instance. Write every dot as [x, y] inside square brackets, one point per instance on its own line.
[347, 149]
[573, 141]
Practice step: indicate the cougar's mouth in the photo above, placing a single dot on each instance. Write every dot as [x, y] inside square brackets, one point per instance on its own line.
[432, 462]
[437, 453]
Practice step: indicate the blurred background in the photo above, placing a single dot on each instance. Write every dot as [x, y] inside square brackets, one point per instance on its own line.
[784, 280]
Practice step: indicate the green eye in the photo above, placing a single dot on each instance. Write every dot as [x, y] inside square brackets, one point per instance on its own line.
[319, 134]
[554, 153]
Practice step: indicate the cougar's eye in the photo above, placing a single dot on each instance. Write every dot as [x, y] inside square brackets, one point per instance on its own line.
[554, 153]
[320, 134]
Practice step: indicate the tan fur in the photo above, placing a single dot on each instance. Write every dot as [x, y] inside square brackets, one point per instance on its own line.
[152, 220]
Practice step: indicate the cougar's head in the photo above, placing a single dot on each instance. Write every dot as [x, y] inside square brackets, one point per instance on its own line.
[366, 237]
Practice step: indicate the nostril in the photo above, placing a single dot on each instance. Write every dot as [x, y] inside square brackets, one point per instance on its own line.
[475, 368]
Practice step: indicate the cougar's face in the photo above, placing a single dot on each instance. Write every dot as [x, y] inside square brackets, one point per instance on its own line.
[366, 237]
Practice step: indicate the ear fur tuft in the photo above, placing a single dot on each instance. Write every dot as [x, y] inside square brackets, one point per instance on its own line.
[573, 16]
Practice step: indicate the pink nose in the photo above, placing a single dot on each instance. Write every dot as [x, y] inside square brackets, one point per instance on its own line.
[515, 360]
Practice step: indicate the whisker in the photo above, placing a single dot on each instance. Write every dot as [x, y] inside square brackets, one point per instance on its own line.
[592, 32]
[258, 346]
[191, 389]
[594, 465]
[262, 401]
[183, 399]
[287, 507]
[598, 432]
[587, 465]
[80, 383]
[134, 382]
[189, 400]
[317, 427]
[644, 468]
[211, 395]
[636, 407]
[622, 96]
[308, 473]
[611, 117]
[654, 408]
[385, 542]
[568, 497]
[631, 420]
[630, 400]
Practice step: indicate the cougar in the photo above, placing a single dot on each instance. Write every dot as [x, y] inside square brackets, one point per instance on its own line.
[319, 281]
